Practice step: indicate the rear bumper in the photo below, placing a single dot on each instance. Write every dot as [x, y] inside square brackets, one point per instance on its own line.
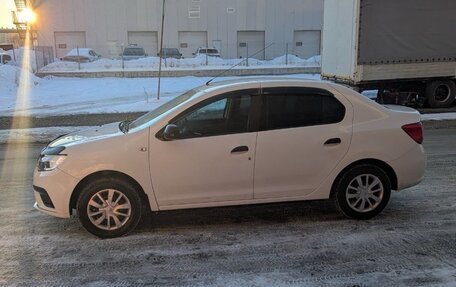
[410, 167]
[52, 190]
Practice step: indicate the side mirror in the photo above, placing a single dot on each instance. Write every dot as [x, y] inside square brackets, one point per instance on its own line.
[193, 54]
[146, 55]
[171, 132]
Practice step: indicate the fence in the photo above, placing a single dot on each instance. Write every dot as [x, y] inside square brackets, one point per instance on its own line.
[247, 54]
[44, 55]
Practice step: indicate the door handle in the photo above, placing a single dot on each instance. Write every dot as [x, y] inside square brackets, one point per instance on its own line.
[333, 141]
[240, 149]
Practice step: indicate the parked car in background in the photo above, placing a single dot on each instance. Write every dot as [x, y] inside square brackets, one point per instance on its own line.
[170, 53]
[5, 58]
[212, 52]
[132, 52]
[81, 55]
[257, 140]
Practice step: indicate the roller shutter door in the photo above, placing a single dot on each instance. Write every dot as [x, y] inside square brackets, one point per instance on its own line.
[306, 43]
[253, 40]
[65, 41]
[189, 41]
[146, 39]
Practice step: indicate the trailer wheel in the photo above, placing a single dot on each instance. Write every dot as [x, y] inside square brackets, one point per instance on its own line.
[440, 94]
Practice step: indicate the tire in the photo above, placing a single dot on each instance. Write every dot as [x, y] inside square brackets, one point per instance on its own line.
[356, 199]
[440, 94]
[117, 221]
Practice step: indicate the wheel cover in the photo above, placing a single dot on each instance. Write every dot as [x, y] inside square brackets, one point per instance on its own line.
[364, 193]
[442, 93]
[109, 209]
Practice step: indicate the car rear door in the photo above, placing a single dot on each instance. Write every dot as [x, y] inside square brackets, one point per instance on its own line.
[304, 133]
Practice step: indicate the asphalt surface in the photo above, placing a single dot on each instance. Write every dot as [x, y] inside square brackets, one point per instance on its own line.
[412, 243]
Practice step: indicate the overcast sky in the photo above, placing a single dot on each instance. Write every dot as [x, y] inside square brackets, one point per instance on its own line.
[6, 6]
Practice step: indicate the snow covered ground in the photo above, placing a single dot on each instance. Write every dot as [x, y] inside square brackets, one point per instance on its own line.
[63, 96]
[199, 62]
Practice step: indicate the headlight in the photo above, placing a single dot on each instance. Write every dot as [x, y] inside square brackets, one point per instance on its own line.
[50, 162]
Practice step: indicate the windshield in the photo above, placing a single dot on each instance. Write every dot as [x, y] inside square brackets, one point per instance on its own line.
[162, 109]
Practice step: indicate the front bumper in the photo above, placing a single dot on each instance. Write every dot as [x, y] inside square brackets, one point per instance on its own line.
[58, 186]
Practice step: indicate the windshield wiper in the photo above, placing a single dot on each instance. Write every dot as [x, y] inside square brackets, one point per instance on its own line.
[124, 126]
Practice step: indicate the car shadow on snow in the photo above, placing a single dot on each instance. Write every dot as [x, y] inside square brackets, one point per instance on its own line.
[308, 211]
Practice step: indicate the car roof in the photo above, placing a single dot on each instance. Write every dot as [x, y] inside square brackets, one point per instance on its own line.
[82, 52]
[266, 79]
[218, 85]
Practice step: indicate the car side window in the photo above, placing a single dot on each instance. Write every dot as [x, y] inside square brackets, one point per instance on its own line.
[213, 111]
[299, 107]
[224, 115]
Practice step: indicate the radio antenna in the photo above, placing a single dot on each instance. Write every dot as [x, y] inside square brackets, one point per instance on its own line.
[248, 56]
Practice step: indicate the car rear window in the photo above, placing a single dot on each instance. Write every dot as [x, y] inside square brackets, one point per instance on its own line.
[170, 51]
[208, 51]
[134, 52]
[299, 107]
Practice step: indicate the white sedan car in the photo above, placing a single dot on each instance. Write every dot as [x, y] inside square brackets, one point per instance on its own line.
[258, 140]
[82, 55]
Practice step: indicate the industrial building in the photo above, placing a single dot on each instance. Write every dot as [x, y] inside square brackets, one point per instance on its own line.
[266, 28]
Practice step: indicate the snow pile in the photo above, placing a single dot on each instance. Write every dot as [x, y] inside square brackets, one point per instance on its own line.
[294, 60]
[151, 63]
[314, 59]
[10, 78]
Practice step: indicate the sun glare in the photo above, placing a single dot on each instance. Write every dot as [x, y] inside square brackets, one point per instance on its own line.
[28, 16]
[21, 120]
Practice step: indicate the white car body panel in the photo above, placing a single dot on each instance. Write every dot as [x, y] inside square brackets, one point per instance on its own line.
[202, 170]
[82, 53]
[106, 149]
[60, 191]
[281, 165]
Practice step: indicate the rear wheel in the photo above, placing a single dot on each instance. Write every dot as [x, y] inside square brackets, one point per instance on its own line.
[109, 207]
[363, 191]
[440, 94]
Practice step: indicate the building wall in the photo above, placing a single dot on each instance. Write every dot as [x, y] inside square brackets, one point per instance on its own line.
[106, 23]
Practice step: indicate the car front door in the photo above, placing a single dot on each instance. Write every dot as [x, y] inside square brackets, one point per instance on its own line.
[304, 133]
[212, 158]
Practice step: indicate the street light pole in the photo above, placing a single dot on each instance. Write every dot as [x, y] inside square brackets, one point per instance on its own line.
[160, 52]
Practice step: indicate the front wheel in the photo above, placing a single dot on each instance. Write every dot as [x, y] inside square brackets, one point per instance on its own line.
[109, 207]
[363, 191]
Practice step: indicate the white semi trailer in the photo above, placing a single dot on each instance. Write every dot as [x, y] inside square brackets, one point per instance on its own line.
[406, 49]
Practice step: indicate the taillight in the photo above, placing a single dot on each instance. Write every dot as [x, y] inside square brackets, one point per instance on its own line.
[415, 131]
